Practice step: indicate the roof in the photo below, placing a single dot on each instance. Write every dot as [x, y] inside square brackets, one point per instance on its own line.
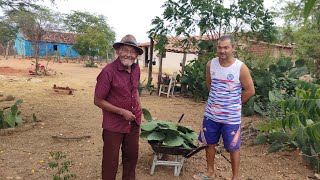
[173, 44]
[55, 37]
[289, 46]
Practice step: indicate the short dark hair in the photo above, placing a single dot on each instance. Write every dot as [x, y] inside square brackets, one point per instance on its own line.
[227, 37]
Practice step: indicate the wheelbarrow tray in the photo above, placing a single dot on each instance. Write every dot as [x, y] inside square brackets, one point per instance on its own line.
[157, 147]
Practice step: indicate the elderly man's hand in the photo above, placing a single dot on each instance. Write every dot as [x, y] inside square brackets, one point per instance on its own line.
[128, 115]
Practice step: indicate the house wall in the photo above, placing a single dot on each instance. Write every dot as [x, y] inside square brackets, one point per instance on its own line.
[25, 48]
[19, 45]
[64, 50]
[170, 64]
[262, 49]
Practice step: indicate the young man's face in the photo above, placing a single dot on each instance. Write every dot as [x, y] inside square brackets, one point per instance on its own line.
[225, 49]
[127, 55]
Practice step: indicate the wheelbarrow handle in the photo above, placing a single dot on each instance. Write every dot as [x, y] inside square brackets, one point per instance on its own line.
[180, 118]
[195, 151]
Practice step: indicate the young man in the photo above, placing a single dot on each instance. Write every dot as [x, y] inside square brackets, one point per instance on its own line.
[116, 93]
[230, 84]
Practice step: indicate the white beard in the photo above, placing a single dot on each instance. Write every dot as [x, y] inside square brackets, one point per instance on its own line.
[127, 62]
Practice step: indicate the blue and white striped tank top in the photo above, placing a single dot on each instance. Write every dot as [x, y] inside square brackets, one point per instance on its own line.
[224, 101]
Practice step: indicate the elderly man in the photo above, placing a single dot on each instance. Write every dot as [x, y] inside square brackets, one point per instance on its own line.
[116, 93]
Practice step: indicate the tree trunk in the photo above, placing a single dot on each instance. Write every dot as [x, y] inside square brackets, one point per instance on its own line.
[150, 61]
[3, 50]
[36, 56]
[183, 85]
[160, 72]
[7, 50]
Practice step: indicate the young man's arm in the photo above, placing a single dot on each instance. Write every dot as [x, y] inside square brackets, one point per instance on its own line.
[208, 75]
[247, 83]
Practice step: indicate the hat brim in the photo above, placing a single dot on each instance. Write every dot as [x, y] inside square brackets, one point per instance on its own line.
[118, 44]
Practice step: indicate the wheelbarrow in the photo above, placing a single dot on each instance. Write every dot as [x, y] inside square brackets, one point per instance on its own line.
[179, 153]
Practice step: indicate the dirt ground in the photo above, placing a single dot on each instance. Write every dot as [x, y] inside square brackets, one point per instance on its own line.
[24, 154]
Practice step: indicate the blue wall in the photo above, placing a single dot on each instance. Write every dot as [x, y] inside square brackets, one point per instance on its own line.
[25, 48]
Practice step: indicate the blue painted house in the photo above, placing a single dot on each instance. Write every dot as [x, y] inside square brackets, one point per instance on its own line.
[51, 43]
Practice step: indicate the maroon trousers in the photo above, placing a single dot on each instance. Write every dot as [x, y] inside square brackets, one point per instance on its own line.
[129, 143]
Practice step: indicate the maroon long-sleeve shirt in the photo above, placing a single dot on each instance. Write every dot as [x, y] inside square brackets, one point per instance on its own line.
[120, 88]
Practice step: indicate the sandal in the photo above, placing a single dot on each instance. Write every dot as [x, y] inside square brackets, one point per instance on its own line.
[202, 176]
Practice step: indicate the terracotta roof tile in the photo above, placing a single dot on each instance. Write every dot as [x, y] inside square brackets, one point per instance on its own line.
[174, 46]
[56, 37]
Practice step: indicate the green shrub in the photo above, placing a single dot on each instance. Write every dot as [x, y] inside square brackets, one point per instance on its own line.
[11, 117]
[298, 126]
[91, 64]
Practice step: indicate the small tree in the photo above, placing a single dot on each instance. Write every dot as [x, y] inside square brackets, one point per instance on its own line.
[33, 25]
[7, 35]
[94, 42]
[96, 37]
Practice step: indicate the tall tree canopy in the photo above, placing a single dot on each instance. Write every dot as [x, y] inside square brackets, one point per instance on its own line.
[95, 35]
[19, 4]
[79, 22]
[201, 17]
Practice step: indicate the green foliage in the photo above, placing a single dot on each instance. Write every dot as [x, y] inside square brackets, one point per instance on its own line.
[182, 18]
[299, 126]
[11, 117]
[146, 114]
[273, 83]
[302, 26]
[91, 64]
[19, 4]
[195, 78]
[307, 47]
[308, 6]
[7, 31]
[168, 133]
[61, 165]
[79, 22]
[149, 86]
[96, 41]
[96, 36]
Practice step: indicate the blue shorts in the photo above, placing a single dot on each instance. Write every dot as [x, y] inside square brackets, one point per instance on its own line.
[211, 132]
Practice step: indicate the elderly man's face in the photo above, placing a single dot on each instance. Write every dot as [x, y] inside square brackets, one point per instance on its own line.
[127, 55]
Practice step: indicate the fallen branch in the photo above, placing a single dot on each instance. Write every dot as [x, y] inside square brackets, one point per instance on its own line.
[71, 138]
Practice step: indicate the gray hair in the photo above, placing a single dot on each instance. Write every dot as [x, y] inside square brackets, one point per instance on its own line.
[227, 37]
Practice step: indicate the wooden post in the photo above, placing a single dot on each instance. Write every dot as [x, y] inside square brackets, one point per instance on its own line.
[183, 85]
[150, 61]
[184, 60]
[160, 72]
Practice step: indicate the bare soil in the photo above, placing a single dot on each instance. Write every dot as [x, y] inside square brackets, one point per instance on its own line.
[25, 154]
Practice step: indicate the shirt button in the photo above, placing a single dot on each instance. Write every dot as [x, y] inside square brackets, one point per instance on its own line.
[132, 107]
[129, 122]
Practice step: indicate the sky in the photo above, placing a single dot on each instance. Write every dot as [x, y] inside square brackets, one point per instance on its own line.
[124, 16]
